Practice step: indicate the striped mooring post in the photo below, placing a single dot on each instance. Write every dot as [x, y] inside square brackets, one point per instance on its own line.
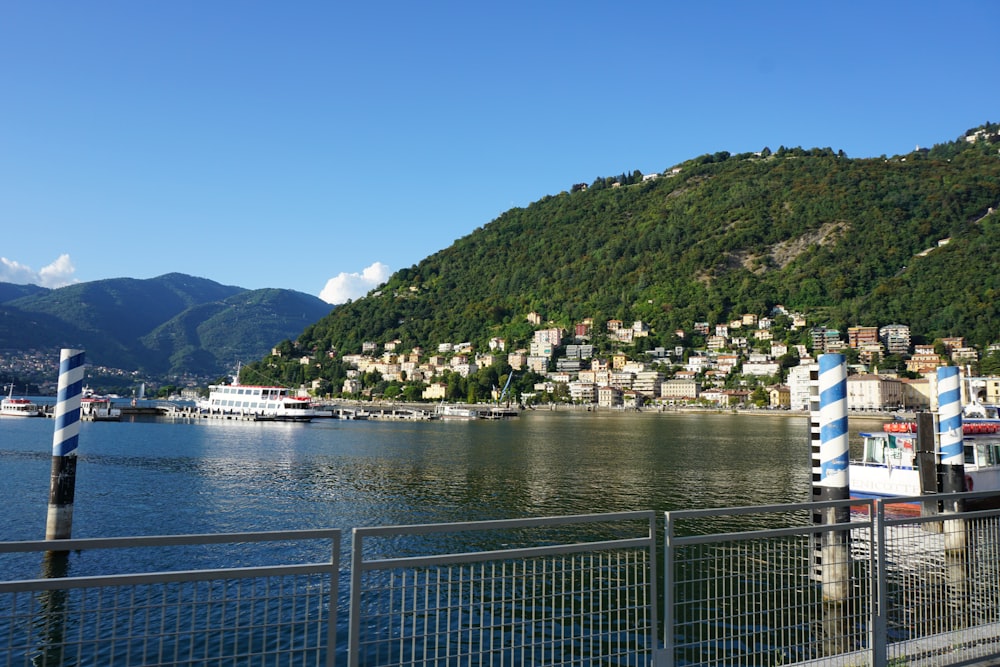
[950, 437]
[62, 486]
[834, 449]
[831, 482]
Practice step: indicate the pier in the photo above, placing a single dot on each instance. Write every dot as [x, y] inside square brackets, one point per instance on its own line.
[408, 412]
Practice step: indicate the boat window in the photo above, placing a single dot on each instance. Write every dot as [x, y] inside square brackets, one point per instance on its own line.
[970, 455]
[874, 450]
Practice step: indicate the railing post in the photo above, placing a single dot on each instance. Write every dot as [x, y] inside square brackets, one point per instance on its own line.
[879, 640]
[665, 656]
[653, 590]
[354, 607]
[331, 614]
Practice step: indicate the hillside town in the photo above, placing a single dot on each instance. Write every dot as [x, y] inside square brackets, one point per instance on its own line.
[739, 363]
[747, 362]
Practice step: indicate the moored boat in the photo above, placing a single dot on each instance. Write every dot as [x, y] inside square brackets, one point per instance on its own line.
[18, 407]
[456, 412]
[260, 402]
[99, 409]
[890, 465]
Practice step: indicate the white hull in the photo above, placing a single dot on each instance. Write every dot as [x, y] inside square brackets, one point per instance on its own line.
[99, 410]
[454, 412]
[262, 403]
[878, 481]
[17, 407]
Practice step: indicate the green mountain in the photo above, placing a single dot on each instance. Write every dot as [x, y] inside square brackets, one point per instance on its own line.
[170, 325]
[908, 239]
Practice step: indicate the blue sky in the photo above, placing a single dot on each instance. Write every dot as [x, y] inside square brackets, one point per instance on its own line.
[323, 145]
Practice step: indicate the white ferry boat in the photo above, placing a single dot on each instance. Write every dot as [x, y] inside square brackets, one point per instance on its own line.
[889, 463]
[456, 412]
[99, 409]
[262, 403]
[18, 407]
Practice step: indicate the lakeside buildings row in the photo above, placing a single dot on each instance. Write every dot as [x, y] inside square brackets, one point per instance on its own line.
[681, 375]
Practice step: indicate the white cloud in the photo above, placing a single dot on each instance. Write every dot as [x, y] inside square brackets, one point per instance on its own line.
[354, 285]
[57, 274]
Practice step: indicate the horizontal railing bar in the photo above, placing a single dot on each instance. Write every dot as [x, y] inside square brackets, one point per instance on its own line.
[165, 577]
[953, 495]
[80, 544]
[465, 526]
[744, 536]
[936, 518]
[680, 515]
[479, 556]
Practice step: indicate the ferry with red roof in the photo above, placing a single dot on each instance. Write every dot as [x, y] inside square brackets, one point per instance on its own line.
[18, 407]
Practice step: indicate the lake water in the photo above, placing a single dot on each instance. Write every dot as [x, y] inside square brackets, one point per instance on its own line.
[158, 477]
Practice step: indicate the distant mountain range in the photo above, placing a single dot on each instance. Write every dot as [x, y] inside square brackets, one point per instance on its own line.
[174, 324]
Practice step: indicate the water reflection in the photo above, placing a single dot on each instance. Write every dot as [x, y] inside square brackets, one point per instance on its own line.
[149, 478]
[50, 623]
[143, 478]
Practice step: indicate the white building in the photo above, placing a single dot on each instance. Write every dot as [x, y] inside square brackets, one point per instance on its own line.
[648, 383]
[583, 392]
[873, 393]
[799, 386]
[434, 391]
[761, 368]
[680, 389]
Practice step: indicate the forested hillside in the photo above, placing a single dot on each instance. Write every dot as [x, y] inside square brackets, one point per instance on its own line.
[841, 239]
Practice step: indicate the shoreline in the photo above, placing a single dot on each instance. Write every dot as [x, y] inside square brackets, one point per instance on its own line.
[593, 409]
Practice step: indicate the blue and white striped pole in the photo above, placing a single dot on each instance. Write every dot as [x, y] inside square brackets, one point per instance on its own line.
[834, 449]
[65, 439]
[950, 437]
[833, 484]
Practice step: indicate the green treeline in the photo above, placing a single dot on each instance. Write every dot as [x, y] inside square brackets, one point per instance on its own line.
[842, 240]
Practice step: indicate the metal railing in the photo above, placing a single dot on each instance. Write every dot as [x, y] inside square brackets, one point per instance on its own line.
[553, 591]
[219, 614]
[830, 583]
[940, 585]
[750, 586]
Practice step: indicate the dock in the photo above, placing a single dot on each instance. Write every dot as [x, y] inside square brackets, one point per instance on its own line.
[408, 412]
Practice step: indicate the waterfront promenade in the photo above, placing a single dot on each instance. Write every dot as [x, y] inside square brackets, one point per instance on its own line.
[731, 586]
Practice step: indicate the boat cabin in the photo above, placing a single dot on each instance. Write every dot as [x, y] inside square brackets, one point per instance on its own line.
[890, 449]
[898, 450]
